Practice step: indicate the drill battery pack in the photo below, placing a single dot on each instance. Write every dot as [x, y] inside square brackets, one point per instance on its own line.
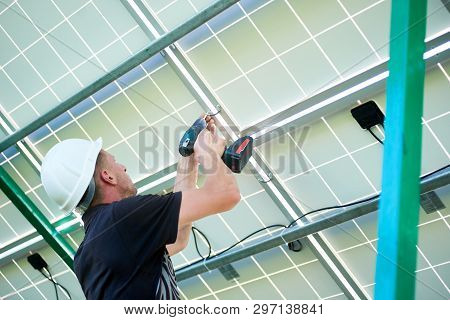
[237, 155]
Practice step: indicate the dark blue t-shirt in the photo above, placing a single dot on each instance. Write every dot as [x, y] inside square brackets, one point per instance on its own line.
[123, 254]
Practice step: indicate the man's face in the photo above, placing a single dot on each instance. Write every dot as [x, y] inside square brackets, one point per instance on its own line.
[119, 171]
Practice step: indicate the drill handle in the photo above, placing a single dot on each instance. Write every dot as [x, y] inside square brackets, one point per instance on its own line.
[186, 147]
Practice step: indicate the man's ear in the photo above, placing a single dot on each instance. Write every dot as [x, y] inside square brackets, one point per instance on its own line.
[107, 178]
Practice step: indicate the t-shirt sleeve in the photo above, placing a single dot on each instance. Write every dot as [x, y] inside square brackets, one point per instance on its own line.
[148, 222]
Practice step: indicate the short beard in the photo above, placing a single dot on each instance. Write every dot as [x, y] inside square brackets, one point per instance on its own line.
[129, 192]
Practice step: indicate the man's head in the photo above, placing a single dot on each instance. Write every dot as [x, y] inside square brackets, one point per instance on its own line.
[112, 182]
[68, 170]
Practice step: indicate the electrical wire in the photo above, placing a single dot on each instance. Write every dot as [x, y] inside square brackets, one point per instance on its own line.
[374, 135]
[49, 277]
[284, 226]
[196, 245]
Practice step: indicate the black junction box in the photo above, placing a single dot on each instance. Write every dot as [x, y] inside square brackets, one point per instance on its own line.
[368, 115]
[36, 261]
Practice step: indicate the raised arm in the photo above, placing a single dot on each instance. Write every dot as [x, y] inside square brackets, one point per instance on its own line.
[220, 192]
[187, 174]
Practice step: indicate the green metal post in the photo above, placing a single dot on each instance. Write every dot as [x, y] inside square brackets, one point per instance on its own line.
[36, 218]
[399, 203]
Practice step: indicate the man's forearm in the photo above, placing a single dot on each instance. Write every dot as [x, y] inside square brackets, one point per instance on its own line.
[187, 174]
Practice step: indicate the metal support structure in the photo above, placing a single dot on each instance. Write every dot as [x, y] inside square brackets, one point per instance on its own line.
[25, 147]
[65, 105]
[315, 242]
[274, 189]
[34, 241]
[332, 219]
[339, 96]
[163, 178]
[32, 213]
[155, 47]
[399, 204]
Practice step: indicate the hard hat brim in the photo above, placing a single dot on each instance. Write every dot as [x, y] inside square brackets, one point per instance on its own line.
[89, 168]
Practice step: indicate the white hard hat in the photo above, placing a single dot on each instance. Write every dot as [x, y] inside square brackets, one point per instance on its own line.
[67, 171]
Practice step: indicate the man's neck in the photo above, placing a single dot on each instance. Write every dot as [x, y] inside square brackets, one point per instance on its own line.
[109, 197]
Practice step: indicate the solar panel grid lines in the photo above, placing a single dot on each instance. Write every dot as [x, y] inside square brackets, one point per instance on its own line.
[256, 216]
[38, 73]
[80, 38]
[360, 152]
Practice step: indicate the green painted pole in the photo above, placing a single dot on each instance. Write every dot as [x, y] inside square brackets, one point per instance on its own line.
[36, 218]
[399, 203]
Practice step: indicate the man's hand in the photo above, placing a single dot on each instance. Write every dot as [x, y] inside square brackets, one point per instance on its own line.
[210, 123]
[209, 144]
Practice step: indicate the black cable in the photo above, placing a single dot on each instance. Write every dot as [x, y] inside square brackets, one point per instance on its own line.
[435, 171]
[204, 237]
[333, 207]
[374, 135]
[252, 234]
[290, 224]
[55, 283]
[52, 281]
[65, 290]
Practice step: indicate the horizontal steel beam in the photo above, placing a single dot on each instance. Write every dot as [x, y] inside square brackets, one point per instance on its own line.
[332, 219]
[335, 97]
[155, 47]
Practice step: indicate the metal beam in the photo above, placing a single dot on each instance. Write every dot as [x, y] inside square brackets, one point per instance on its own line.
[158, 180]
[399, 203]
[274, 189]
[362, 86]
[34, 241]
[155, 47]
[36, 218]
[335, 217]
[315, 242]
[25, 147]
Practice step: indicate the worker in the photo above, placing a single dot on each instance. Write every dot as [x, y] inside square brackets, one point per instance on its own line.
[129, 238]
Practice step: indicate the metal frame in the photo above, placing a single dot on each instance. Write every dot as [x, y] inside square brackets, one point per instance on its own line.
[35, 241]
[333, 218]
[336, 97]
[11, 189]
[36, 218]
[25, 147]
[155, 47]
[274, 189]
[31, 213]
[446, 3]
[165, 177]
[399, 204]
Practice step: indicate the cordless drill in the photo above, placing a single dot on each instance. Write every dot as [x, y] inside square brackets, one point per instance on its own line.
[235, 156]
